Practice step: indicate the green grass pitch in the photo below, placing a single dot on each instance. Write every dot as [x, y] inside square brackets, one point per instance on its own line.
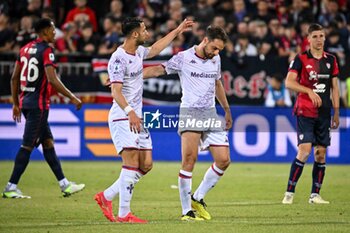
[247, 199]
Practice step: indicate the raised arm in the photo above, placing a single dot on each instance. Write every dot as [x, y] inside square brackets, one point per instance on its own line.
[153, 71]
[292, 84]
[221, 97]
[60, 87]
[335, 101]
[159, 45]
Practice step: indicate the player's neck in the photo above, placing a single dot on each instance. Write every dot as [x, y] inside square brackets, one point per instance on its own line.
[129, 46]
[316, 53]
[199, 51]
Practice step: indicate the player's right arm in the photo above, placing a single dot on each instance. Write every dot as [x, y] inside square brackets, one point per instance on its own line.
[134, 120]
[292, 83]
[15, 82]
[60, 87]
[117, 71]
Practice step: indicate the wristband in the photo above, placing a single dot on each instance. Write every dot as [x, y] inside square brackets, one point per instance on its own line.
[128, 109]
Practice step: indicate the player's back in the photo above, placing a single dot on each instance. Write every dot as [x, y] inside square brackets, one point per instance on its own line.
[35, 88]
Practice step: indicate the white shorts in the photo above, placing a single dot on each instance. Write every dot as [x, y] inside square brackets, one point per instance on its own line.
[213, 138]
[123, 138]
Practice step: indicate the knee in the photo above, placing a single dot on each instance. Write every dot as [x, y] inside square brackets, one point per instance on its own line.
[48, 144]
[188, 162]
[145, 168]
[320, 154]
[223, 164]
[303, 154]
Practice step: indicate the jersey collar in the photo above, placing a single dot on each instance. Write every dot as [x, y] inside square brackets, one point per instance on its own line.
[309, 55]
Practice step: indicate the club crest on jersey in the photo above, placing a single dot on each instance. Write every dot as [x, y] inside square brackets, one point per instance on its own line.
[301, 136]
[309, 67]
[51, 57]
[328, 65]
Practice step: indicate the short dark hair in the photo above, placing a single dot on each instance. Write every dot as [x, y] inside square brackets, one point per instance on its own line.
[42, 24]
[278, 76]
[214, 32]
[314, 27]
[130, 24]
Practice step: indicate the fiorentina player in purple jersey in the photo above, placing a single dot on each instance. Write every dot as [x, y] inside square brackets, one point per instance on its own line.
[313, 75]
[34, 74]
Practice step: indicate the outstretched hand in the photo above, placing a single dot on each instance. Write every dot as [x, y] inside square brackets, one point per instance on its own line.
[186, 25]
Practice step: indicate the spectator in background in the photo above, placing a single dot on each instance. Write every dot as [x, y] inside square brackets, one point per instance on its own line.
[111, 39]
[34, 7]
[300, 11]
[68, 43]
[262, 11]
[81, 14]
[277, 94]
[334, 46]
[240, 12]
[26, 33]
[244, 47]
[203, 12]
[88, 41]
[116, 10]
[263, 40]
[283, 14]
[289, 43]
[332, 11]
[7, 35]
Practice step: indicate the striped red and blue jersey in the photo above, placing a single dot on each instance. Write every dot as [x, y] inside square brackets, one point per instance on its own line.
[35, 88]
[316, 74]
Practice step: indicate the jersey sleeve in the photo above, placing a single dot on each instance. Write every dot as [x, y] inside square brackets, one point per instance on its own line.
[219, 68]
[335, 71]
[295, 65]
[49, 57]
[175, 63]
[116, 70]
[18, 59]
[144, 51]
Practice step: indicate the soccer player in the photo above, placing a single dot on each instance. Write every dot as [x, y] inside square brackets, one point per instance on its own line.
[131, 140]
[199, 69]
[313, 75]
[35, 74]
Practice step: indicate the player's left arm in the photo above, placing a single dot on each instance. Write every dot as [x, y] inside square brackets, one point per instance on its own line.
[221, 97]
[335, 101]
[159, 45]
[15, 82]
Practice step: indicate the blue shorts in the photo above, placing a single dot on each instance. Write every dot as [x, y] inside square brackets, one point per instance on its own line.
[314, 130]
[37, 128]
